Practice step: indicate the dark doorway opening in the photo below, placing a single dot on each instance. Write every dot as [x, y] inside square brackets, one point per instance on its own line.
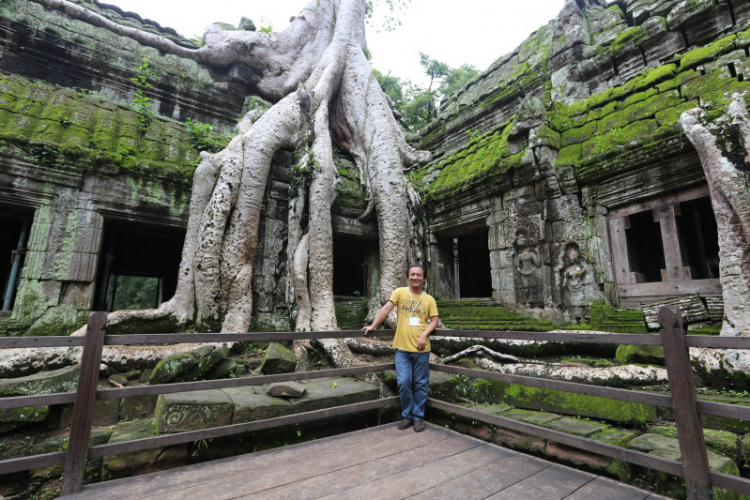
[645, 247]
[475, 276]
[138, 266]
[699, 238]
[14, 236]
[351, 266]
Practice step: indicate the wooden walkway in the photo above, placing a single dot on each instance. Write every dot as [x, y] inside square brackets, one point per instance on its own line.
[378, 463]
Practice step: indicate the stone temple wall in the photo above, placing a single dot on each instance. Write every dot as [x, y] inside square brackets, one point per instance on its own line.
[563, 148]
[553, 156]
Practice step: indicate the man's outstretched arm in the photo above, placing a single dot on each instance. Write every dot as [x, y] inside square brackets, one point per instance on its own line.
[380, 317]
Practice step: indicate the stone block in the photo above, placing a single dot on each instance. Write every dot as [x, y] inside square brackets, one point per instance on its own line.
[531, 417]
[17, 417]
[618, 437]
[138, 407]
[106, 412]
[278, 359]
[171, 367]
[252, 403]
[128, 464]
[330, 392]
[78, 295]
[668, 447]
[187, 411]
[575, 426]
[46, 382]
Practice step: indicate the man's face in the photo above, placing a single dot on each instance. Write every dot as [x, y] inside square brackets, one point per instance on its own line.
[416, 277]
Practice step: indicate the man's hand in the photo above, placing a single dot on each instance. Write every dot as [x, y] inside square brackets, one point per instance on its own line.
[422, 342]
[369, 328]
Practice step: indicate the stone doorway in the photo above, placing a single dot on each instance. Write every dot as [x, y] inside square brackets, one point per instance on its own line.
[138, 266]
[352, 262]
[474, 271]
[14, 237]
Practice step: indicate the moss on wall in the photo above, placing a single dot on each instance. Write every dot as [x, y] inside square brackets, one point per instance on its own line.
[60, 128]
[596, 134]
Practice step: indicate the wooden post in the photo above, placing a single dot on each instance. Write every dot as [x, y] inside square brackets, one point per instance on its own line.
[682, 386]
[83, 408]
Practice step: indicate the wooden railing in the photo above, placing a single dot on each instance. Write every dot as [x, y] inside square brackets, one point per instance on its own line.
[87, 393]
[693, 466]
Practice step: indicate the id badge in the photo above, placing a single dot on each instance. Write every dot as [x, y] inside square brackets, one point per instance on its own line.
[413, 321]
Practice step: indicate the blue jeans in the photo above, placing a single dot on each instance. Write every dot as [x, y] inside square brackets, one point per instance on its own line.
[413, 376]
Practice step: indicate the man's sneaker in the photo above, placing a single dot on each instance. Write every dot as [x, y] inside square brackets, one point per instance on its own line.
[405, 424]
[418, 426]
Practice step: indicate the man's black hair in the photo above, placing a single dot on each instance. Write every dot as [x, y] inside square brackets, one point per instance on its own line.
[424, 271]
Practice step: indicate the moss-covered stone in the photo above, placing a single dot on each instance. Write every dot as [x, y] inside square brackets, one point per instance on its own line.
[561, 402]
[487, 314]
[607, 318]
[641, 354]
[278, 359]
[46, 382]
[59, 127]
[171, 367]
[722, 442]
[700, 55]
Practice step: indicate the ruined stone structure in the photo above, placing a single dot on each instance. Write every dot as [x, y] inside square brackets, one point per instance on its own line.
[561, 176]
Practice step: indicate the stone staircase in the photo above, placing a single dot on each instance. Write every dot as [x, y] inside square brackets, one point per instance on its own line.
[487, 314]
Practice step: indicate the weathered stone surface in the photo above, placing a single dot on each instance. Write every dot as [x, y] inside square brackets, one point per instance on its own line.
[138, 407]
[48, 382]
[329, 392]
[692, 308]
[252, 403]
[106, 412]
[286, 389]
[186, 411]
[224, 369]
[615, 436]
[642, 354]
[531, 417]
[667, 447]
[127, 464]
[278, 359]
[171, 367]
[574, 426]
[17, 417]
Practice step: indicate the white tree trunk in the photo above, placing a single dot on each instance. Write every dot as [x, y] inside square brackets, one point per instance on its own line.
[723, 149]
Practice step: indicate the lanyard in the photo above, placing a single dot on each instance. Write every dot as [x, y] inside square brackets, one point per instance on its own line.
[411, 301]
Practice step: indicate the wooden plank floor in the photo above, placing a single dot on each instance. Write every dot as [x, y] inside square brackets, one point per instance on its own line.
[378, 463]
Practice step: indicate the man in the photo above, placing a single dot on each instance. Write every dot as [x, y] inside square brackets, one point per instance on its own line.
[412, 343]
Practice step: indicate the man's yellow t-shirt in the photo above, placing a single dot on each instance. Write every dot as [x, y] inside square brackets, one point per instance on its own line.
[408, 306]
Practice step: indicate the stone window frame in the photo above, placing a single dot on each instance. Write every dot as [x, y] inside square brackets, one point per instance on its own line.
[676, 279]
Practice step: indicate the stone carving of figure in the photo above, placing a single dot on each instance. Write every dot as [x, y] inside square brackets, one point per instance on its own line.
[527, 262]
[573, 270]
[528, 257]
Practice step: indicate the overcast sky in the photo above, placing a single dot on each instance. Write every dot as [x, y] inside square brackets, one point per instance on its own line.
[452, 31]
